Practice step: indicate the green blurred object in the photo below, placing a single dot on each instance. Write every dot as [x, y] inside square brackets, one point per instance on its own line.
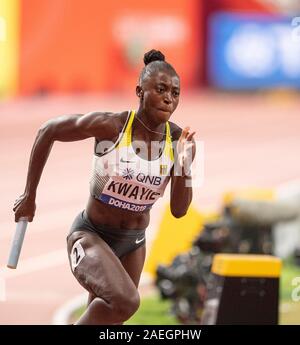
[289, 309]
[289, 272]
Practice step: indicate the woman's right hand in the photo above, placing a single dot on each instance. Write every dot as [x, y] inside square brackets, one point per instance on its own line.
[24, 206]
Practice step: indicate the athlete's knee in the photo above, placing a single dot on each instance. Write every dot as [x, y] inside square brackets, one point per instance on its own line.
[121, 308]
[127, 305]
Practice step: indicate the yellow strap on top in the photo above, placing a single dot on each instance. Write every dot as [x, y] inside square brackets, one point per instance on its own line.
[168, 151]
[126, 137]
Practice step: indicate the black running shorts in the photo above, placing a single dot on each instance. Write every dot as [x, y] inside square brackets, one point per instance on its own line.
[121, 241]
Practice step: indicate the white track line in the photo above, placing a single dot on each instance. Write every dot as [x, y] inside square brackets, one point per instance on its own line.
[63, 314]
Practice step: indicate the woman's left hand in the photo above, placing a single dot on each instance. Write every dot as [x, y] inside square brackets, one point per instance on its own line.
[185, 149]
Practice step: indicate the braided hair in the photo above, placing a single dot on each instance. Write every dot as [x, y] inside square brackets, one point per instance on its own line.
[154, 61]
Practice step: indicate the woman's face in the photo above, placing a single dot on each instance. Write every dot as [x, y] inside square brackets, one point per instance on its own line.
[160, 95]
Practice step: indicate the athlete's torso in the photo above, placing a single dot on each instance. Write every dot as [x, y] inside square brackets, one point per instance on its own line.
[123, 185]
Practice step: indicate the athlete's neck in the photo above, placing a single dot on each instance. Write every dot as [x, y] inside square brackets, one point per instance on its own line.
[149, 124]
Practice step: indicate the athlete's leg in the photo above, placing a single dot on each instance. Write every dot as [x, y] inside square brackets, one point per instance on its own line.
[133, 263]
[102, 274]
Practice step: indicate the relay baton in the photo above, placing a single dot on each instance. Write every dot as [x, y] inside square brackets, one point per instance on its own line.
[17, 242]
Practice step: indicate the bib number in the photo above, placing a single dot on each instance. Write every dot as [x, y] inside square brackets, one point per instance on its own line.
[77, 254]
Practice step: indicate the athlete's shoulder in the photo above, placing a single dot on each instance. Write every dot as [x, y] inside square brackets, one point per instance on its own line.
[113, 122]
[175, 130]
[109, 117]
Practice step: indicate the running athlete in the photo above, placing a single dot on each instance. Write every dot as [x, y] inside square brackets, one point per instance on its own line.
[136, 153]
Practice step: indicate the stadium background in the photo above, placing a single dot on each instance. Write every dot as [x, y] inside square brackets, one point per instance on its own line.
[239, 64]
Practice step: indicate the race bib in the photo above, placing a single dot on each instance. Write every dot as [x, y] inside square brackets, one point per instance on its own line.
[77, 254]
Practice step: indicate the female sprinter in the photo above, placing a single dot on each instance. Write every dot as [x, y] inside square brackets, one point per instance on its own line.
[136, 153]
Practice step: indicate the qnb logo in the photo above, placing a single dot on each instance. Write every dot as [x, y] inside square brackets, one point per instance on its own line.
[154, 180]
[2, 29]
[128, 173]
[296, 291]
[296, 29]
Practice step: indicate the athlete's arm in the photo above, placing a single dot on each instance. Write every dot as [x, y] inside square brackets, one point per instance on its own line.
[64, 128]
[181, 188]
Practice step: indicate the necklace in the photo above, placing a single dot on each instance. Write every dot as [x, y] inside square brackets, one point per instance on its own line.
[148, 127]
